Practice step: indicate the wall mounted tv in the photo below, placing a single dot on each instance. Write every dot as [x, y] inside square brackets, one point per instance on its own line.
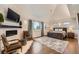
[13, 16]
[11, 32]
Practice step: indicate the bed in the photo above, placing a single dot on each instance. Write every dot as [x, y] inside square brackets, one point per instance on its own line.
[58, 33]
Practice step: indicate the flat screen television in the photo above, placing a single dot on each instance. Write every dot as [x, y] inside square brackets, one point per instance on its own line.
[13, 16]
[1, 18]
[11, 32]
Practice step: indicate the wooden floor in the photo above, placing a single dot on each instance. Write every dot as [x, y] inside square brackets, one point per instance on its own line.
[38, 48]
[72, 47]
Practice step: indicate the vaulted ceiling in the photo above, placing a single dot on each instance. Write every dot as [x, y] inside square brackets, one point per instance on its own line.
[54, 12]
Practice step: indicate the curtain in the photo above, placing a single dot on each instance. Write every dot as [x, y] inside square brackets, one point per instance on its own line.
[30, 27]
[42, 30]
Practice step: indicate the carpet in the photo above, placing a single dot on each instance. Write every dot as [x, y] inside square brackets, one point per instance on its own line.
[56, 44]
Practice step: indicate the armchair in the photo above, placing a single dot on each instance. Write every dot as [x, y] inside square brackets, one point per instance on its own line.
[10, 47]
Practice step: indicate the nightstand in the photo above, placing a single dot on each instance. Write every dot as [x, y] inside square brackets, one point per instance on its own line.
[70, 35]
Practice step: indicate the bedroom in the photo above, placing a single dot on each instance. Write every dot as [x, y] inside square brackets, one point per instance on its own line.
[51, 26]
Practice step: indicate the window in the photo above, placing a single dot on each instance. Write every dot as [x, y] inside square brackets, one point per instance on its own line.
[36, 25]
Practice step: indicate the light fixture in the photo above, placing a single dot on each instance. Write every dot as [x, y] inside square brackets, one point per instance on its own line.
[59, 24]
[66, 23]
[70, 28]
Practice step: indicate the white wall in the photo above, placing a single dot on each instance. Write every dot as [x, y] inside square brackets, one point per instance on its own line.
[67, 22]
[3, 10]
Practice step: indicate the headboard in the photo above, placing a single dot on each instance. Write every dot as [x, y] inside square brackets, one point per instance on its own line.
[63, 28]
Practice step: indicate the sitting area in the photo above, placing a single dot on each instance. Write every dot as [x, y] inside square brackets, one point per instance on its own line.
[14, 45]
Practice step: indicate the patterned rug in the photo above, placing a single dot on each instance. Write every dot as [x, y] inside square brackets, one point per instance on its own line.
[56, 44]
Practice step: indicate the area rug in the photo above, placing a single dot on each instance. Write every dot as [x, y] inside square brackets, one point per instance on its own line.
[56, 44]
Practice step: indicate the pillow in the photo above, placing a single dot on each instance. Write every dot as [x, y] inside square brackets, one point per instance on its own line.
[56, 29]
[60, 30]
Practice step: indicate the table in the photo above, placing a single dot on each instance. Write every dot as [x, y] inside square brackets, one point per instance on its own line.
[25, 48]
